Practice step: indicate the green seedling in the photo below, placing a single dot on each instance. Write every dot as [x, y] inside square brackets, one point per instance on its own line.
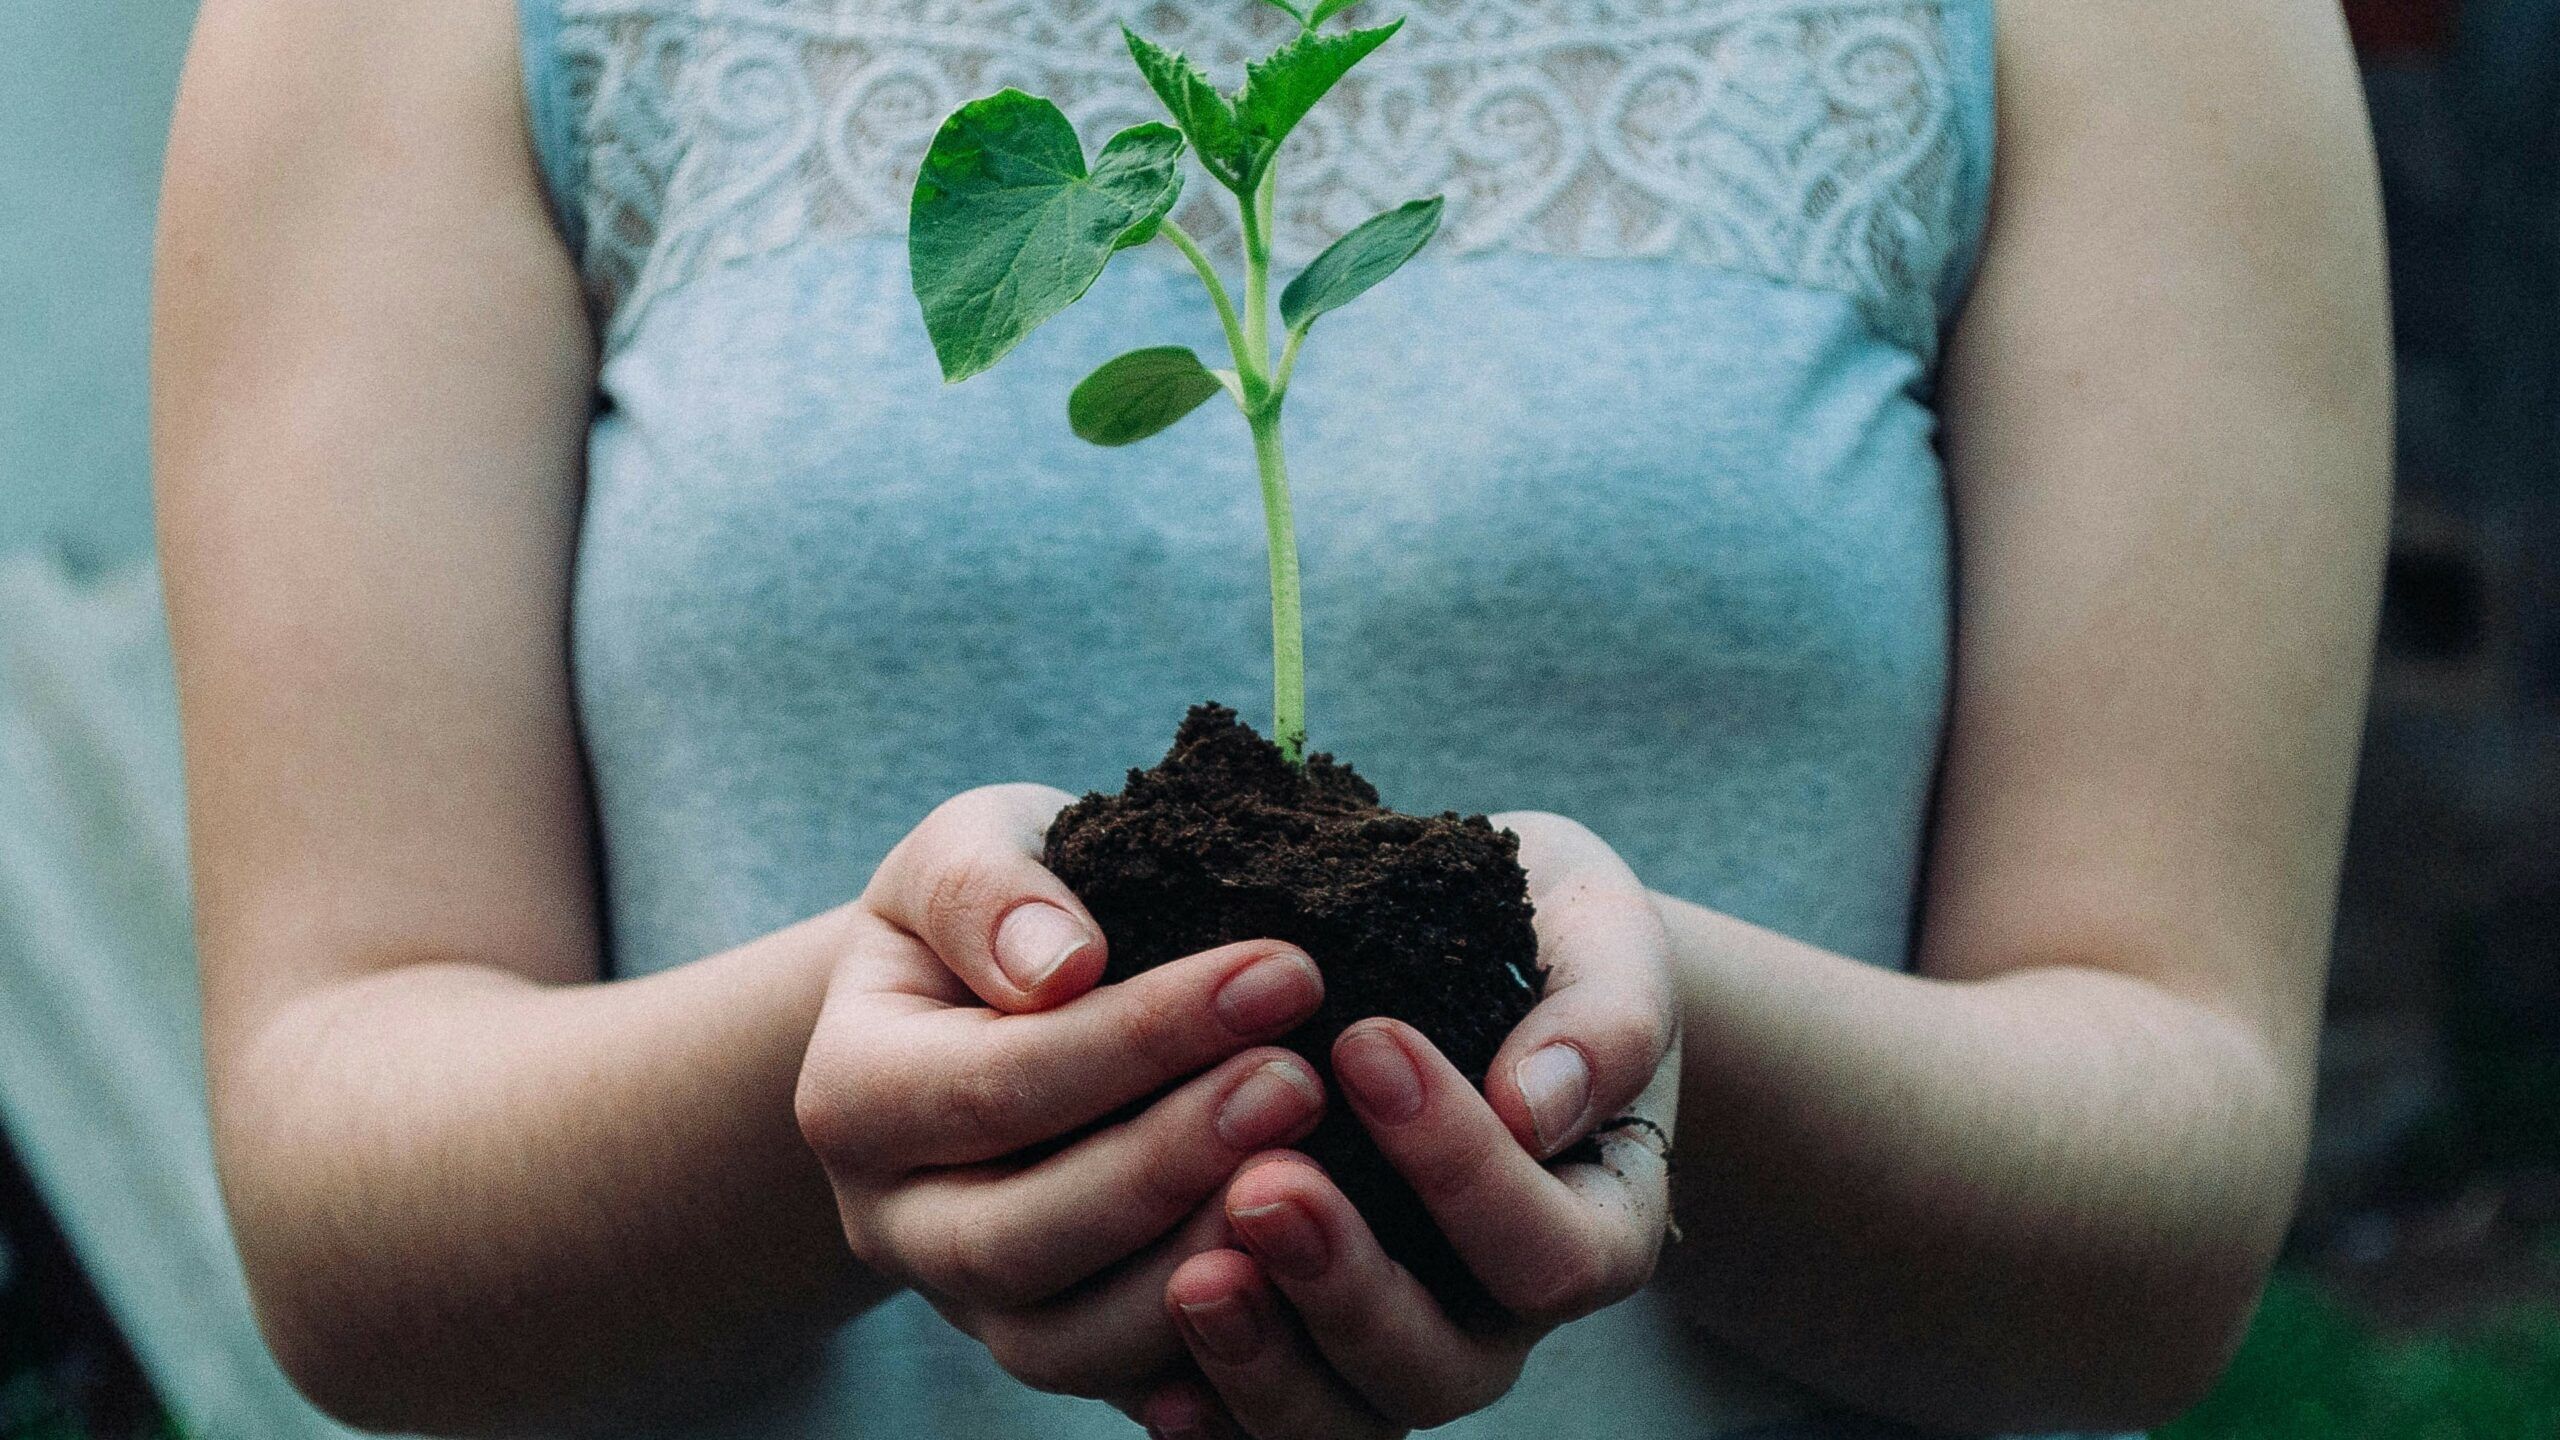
[1009, 226]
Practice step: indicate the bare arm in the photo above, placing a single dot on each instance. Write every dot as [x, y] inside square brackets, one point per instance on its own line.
[2039, 1183]
[467, 1184]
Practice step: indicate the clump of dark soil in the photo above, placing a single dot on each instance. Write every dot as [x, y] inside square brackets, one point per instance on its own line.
[1425, 919]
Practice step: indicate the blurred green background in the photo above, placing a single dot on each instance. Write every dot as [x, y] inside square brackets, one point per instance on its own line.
[2421, 1294]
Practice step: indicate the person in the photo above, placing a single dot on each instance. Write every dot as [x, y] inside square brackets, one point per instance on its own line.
[1913, 608]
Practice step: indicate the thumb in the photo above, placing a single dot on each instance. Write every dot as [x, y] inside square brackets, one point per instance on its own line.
[968, 882]
[1598, 1038]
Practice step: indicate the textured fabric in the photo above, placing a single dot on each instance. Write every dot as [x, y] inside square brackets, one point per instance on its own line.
[1830, 144]
[1621, 503]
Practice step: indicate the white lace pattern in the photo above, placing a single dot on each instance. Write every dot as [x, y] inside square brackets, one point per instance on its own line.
[1813, 142]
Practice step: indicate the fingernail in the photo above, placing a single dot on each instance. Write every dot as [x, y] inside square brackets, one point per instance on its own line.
[1379, 1075]
[1276, 991]
[1034, 939]
[1226, 1327]
[1557, 1084]
[1285, 1238]
[1269, 1106]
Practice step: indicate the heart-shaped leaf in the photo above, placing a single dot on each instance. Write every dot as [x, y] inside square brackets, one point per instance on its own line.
[1138, 394]
[1204, 114]
[1007, 227]
[1281, 88]
[1374, 250]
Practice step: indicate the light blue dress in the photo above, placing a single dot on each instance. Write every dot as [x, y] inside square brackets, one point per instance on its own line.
[1621, 501]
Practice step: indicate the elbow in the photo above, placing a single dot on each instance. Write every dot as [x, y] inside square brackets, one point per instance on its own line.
[331, 1374]
[342, 1319]
[320, 1314]
[2147, 1361]
[2176, 1359]
[329, 1337]
[347, 1355]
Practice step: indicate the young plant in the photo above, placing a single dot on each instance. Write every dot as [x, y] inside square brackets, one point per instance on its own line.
[1009, 226]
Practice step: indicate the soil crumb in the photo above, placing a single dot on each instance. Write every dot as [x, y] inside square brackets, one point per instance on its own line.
[1425, 919]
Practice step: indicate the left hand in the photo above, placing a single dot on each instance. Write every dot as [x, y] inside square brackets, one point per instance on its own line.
[1361, 1349]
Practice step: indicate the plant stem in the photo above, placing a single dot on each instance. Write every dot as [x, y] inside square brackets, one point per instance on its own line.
[1280, 528]
[1257, 281]
[1288, 361]
[1288, 637]
[1191, 251]
[1259, 393]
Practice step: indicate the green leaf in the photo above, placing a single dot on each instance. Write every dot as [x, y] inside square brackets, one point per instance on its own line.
[1294, 12]
[1281, 88]
[1138, 394]
[1374, 250]
[1203, 113]
[1007, 227]
[1327, 9]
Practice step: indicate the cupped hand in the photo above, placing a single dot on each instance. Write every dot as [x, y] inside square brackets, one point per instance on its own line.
[1308, 1329]
[962, 1055]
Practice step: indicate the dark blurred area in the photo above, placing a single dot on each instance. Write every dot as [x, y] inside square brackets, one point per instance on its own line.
[2435, 1179]
[2421, 1295]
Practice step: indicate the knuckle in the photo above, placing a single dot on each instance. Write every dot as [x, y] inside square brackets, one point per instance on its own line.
[1026, 799]
[956, 891]
[1631, 1033]
[1368, 1425]
[1451, 1173]
[1355, 1320]
[963, 1262]
[1038, 1355]
[1534, 825]
[986, 1099]
[1478, 1388]
[965, 813]
[1167, 1182]
[918, 854]
[1571, 1282]
[833, 1124]
[872, 1233]
[1163, 1034]
[1302, 1420]
[1434, 1408]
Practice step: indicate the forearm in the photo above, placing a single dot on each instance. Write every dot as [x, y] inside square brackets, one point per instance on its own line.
[2036, 1201]
[468, 1202]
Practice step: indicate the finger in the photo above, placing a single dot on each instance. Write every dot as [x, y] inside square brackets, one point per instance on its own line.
[1372, 1321]
[1546, 1249]
[1608, 1019]
[968, 882]
[1185, 1409]
[1011, 1237]
[1110, 1339]
[1253, 1354]
[891, 1086]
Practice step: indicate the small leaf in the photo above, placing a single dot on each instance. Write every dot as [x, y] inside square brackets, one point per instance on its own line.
[1374, 250]
[1294, 12]
[1203, 113]
[1327, 9]
[1138, 394]
[1281, 88]
[1007, 228]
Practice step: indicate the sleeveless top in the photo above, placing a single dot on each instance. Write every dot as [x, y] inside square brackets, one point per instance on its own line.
[1621, 500]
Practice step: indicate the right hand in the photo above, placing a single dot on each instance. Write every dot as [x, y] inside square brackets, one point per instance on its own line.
[958, 1034]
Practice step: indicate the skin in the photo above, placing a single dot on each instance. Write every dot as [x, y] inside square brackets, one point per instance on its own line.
[2035, 1184]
